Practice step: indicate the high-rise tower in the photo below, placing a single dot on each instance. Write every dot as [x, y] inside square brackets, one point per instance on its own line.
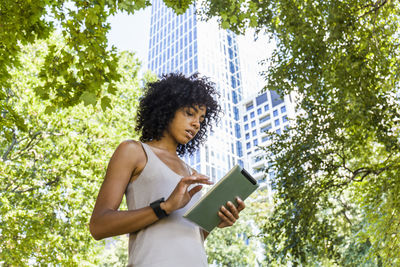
[187, 45]
[262, 113]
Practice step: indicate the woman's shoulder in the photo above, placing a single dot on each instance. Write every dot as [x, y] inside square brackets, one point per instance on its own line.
[132, 149]
[130, 144]
[131, 152]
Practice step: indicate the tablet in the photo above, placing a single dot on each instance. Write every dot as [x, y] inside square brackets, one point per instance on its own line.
[236, 183]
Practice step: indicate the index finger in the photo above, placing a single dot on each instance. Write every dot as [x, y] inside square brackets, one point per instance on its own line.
[202, 179]
[199, 175]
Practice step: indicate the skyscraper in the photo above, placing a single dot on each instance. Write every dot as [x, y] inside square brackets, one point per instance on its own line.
[185, 44]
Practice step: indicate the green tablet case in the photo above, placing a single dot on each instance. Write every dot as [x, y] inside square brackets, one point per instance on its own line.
[236, 183]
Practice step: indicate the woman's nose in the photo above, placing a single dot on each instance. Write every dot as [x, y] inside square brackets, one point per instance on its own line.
[196, 124]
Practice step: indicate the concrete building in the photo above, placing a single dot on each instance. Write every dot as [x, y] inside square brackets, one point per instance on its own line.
[260, 114]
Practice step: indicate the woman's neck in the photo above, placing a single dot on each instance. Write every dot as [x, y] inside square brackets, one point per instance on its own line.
[162, 144]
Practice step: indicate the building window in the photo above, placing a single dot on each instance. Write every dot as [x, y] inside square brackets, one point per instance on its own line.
[264, 119]
[259, 111]
[277, 122]
[257, 170]
[232, 68]
[255, 142]
[239, 148]
[283, 109]
[245, 118]
[246, 127]
[237, 130]
[249, 106]
[236, 113]
[257, 159]
[252, 114]
[261, 99]
[198, 169]
[253, 124]
[265, 138]
[284, 119]
[240, 162]
[276, 99]
[198, 156]
[233, 82]
[248, 145]
[234, 97]
[266, 128]
[275, 112]
[266, 107]
[247, 136]
[254, 132]
[278, 131]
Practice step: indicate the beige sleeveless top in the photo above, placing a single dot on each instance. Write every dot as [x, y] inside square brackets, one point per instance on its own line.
[172, 241]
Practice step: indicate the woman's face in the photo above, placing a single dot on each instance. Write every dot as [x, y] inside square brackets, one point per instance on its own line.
[186, 123]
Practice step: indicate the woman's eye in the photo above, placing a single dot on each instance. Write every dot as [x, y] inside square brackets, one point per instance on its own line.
[188, 113]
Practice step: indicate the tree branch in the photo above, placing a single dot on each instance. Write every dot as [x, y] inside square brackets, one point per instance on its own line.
[37, 187]
[345, 207]
[375, 7]
[14, 141]
[28, 145]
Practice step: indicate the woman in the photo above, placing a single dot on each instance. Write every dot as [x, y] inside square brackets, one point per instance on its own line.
[173, 117]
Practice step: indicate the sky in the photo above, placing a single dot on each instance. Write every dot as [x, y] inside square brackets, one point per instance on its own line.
[131, 32]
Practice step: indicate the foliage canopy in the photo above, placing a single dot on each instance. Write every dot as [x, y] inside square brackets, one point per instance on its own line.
[80, 69]
[337, 169]
[50, 173]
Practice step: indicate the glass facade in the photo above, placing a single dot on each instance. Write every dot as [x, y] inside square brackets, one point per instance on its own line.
[173, 40]
[187, 45]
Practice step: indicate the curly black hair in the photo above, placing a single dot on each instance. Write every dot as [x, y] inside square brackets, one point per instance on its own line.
[164, 97]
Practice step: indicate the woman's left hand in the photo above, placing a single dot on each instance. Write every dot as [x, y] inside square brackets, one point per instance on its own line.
[230, 213]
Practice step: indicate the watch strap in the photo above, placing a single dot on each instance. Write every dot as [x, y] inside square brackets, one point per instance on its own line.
[157, 209]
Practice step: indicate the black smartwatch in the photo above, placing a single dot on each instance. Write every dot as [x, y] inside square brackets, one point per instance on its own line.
[157, 209]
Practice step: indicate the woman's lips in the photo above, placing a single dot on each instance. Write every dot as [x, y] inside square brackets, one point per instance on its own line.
[189, 134]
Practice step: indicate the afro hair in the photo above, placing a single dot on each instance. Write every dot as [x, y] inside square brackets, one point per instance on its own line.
[164, 97]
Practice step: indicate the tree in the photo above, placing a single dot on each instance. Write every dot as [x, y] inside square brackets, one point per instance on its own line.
[115, 253]
[337, 170]
[80, 70]
[240, 244]
[337, 177]
[51, 171]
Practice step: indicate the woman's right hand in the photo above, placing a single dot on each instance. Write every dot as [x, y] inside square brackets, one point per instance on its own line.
[181, 195]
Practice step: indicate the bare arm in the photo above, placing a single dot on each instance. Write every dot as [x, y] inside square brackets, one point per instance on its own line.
[127, 161]
[106, 220]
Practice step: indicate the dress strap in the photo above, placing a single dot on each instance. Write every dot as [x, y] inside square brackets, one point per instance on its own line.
[149, 153]
[190, 171]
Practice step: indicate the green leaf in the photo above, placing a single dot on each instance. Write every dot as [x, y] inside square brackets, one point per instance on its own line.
[88, 98]
[105, 103]
[225, 25]
[49, 109]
